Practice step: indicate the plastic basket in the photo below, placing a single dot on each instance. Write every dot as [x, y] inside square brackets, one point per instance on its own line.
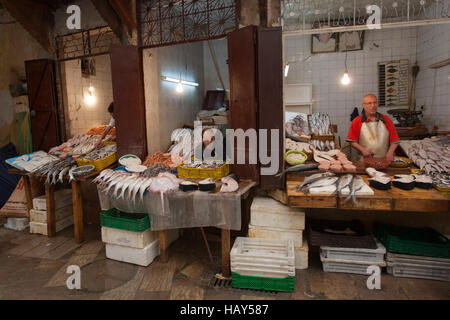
[113, 218]
[101, 163]
[415, 241]
[204, 173]
[262, 283]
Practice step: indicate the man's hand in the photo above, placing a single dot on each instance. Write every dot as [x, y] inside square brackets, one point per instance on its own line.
[389, 157]
[366, 153]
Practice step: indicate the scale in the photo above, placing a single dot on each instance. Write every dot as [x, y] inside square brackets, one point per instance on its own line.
[410, 124]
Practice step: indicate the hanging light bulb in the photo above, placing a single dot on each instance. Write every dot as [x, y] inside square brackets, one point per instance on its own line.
[179, 87]
[345, 80]
[89, 98]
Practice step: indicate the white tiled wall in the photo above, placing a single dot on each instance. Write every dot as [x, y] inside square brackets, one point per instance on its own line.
[433, 85]
[82, 116]
[325, 70]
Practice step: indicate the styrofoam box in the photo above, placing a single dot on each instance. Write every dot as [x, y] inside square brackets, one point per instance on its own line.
[276, 234]
[301, 256]
[41, 228]
[63, 198]
[41, 216]
[142, 257]
[17, 224]
[127, 238]
[263, 251]
[347, 266]
[267, 212]
[351, 254]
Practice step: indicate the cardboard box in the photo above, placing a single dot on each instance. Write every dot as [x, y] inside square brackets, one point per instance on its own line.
[63, 198]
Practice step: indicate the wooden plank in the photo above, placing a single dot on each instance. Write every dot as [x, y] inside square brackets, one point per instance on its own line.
[180, 292]
[226, 248]
[51, 217]
[159, 277]
[124, 10]
[27, 246]
[279, 195]
[77, 202]
[366, 203]
[60, 278]
[128, 290]
[109, 15]
[46, 247]
[163, 246]
[92, 247]
[62, 250]
[29, 196]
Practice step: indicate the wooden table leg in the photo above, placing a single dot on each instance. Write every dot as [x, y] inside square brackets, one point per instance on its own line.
[225, 236]
[51, 218]
[29, 195]
[77, 203]
[163, 246]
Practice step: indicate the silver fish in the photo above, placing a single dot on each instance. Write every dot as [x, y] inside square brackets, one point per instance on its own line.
[136, 188]
[71, 177]
[313, 178]
[344, 181]
[120, 185]
[135, 185]
[299, 167]
[116, 180]
[62, 173]
[356, 185]
[327, 181]
[144, 187]
[126, 185]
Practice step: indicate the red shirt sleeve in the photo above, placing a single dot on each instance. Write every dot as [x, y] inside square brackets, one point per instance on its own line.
[355, 129]
[393, 135]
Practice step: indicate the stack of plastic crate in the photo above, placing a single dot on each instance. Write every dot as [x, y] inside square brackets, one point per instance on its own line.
[263, 264]
[128, 237]
[270, 219]
[415, 252]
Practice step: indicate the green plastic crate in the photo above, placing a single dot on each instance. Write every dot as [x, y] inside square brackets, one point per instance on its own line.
[262, 283]
[113, 218]
[415, 241]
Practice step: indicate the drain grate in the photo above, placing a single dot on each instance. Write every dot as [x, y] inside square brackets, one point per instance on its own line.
[221, 283]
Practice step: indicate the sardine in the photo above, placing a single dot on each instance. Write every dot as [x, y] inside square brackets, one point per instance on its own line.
[356, 185]
[299, 167]
[71, 177]
[344, 181]
[327, 181]
[313, 178]
[62, 174]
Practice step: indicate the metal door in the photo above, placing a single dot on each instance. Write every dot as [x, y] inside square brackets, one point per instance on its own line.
[42, 102]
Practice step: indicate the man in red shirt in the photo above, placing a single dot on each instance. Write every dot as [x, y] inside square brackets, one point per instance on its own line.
[373, 133]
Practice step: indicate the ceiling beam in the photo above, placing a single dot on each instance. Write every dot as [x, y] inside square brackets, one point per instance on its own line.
[110, 16]
[35, 18]
[124, 9]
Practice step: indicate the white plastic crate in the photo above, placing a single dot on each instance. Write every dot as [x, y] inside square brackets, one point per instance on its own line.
[410, 266]
[357, 254]
[263, 257]
[276, 234]
[142, 257]
[267, 212]
[348, 266]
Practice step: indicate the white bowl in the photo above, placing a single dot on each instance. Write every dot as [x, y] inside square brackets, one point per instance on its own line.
[129, 160]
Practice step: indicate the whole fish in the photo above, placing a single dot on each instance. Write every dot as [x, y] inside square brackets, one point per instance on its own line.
[126, 185]
[327, 181]
[299, 167]
[343, 182]
[102, 174]
[120, 185]
[115, 180]
[136, 188]
[144, 187]
[356, 185]
[71, 177]
[63, 173]
[313, 178]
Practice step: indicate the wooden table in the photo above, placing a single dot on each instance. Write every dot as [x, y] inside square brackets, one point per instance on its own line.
[394, 199]
[77, 201]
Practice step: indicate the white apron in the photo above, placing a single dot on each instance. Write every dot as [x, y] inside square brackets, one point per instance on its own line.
[374, 136]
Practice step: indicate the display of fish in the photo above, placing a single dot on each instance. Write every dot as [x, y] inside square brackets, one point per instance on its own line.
[299, 167]
[320, 124]
[343, 182]
[431, 154]
[100, 153]
[313, 178]
[324, 182]
[356, 185]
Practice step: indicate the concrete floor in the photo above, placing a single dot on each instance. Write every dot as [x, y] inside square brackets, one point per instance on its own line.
[34, 267]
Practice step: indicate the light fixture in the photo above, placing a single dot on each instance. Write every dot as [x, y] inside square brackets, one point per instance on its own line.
[345, 80]
[194, 84]
[89, 98]
[179, 87]
[286, 69]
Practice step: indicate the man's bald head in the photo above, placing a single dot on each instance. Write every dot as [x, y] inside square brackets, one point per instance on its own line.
[370, 104]
[369, 96]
